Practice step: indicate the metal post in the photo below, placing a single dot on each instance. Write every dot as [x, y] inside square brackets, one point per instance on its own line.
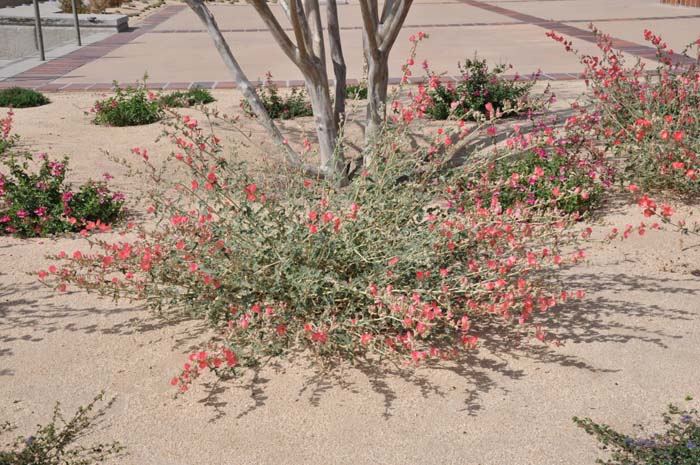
[40, 36]
[75, 17]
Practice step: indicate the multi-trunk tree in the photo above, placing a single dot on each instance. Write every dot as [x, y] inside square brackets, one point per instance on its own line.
[306, 48]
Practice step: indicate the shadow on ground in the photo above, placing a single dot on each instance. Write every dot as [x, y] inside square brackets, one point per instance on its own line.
[598, 319]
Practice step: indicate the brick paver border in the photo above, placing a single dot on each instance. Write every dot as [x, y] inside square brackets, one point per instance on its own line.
[682, 2]
[183, 85]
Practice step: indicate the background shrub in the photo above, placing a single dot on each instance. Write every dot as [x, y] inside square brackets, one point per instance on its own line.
[562, 169]
[39, 202]
[291, 105]
[478, 86]
[19, 97]
[188, 98]
[356, 91]
[53, 444]
[132, 106]
[92, 6]
[7, 139]
[648, 121]
[679, 444]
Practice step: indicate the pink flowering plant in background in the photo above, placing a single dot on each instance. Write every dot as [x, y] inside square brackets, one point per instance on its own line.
[549, 165]
[292, 104]
[477, 87]
[7, 138]
[136, 105]
[130, 106]
[649, 120]
[36, 201]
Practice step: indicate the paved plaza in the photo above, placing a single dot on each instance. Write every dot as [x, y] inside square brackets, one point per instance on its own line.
[172, 46]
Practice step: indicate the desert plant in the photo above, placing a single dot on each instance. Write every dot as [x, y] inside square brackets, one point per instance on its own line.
[19, 97]
[66, 6]
[89, 6]
[187, 98]
[7, 139]
[478, 87]
[54, 443]
[647, 119]
[39, 202]
[399, 264]
[555, 167]
[132, 106]
[291, 105]
[356, 91]
[679, 444]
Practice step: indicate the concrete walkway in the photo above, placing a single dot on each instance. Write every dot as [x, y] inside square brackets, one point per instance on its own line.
[173, 48]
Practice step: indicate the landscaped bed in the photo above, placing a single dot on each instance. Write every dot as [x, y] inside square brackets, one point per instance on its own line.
[638, 315]
[490, 245]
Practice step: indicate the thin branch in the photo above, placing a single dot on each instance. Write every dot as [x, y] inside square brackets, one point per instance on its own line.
[313, 18]
[295, 54]
[374, 13]
[285, 7]
[301, 29]
[369, 29]
[389, 5]
[339, 68]
[390, 31]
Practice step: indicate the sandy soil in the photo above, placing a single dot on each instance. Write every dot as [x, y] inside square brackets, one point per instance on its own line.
[631, 346]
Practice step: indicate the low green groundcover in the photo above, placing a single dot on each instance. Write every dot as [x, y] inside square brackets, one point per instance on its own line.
[19, 97]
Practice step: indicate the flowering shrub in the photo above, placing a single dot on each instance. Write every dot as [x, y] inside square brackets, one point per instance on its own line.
[18, 97]
[478, 87]
[132, 106]
[53, 444]
[678, 445]
[188, 98]
[550, 166]
[292, 105]
[40, 203]
[395, 265]
[647, 119]
[7, 139]
[409, 261]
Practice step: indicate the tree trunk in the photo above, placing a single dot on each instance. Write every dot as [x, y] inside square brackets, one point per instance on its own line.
[331, 157]
[377, 88]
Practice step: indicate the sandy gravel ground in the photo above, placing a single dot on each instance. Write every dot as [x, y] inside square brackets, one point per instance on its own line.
[631, 346]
